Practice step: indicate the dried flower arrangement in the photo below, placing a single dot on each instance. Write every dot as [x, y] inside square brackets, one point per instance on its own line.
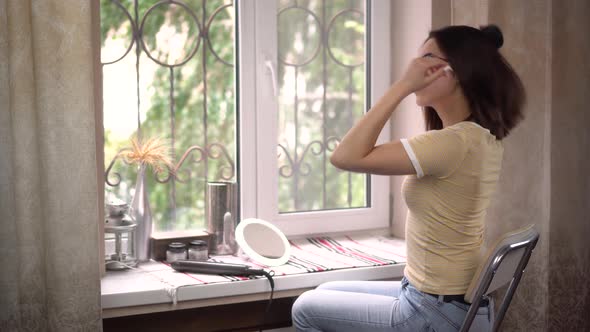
[153, 152]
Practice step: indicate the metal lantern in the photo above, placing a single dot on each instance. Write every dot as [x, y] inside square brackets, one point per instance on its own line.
[118, 222]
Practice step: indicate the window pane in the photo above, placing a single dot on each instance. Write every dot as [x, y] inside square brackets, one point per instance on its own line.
[321, 50]
[176, 82]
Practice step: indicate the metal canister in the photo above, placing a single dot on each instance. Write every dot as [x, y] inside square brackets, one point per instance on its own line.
[222, 210]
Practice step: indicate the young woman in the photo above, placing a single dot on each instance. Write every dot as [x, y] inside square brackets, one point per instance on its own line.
[472, 98]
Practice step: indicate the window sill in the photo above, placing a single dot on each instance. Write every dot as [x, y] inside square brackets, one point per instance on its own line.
[147, 290]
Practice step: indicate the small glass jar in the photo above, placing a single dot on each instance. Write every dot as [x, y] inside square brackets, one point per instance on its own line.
[176, 251]
[197, 250]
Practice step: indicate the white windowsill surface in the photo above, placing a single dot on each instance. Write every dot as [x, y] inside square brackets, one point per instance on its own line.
[132, 292]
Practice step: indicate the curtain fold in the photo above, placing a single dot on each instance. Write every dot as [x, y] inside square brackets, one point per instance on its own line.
[49, 215]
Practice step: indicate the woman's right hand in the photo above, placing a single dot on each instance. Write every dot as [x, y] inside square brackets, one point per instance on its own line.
[420, 73]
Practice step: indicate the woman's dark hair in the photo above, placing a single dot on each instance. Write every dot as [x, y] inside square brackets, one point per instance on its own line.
[494, 92]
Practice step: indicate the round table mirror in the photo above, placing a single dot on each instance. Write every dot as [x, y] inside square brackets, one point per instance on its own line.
[263, 242]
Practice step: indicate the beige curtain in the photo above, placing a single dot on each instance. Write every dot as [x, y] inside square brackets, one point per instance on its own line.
[49, 276]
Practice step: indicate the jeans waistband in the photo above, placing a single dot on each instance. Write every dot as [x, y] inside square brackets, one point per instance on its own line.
[458, 298]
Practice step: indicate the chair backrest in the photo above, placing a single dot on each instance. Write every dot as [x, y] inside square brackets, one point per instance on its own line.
[504, 263]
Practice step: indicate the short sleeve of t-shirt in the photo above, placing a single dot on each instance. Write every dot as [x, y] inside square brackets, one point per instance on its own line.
[437, 152]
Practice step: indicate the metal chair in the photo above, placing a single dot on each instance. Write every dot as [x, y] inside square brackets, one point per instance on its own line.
[504, 263]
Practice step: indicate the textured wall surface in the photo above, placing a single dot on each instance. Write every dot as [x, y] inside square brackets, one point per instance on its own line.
[544, 179]
[525, 188]
[569, 248]
[469, 12]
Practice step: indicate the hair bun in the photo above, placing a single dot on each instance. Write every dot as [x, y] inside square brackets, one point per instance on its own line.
[493, 33]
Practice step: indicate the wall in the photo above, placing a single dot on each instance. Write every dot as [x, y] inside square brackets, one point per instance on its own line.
[569, 248]
[410, 24]
[549, 47]
[525, 187]
[245, 316]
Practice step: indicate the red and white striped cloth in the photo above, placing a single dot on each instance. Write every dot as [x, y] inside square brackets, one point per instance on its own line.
[308, 255]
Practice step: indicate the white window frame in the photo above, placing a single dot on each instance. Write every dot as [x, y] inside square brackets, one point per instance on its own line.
[258, 119]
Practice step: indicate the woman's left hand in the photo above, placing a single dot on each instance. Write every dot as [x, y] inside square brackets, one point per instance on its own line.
[421, 72]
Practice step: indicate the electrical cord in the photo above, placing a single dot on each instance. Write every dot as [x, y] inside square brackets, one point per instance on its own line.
[182, 265]
[269, 276]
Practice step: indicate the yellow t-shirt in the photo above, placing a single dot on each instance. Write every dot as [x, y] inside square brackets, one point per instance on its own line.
[457, 171]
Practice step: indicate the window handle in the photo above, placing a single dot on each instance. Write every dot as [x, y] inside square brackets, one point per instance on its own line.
[271, 68]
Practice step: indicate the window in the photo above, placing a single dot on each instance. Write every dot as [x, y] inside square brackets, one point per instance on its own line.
[267, 116]
[168, 71]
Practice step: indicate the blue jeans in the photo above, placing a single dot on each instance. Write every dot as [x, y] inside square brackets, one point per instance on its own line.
[358, 306]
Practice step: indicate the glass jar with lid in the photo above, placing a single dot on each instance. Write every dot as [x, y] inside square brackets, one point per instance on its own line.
[175, 251]
[198, 250]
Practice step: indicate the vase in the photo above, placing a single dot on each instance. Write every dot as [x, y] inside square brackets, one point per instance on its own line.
[141, 212]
